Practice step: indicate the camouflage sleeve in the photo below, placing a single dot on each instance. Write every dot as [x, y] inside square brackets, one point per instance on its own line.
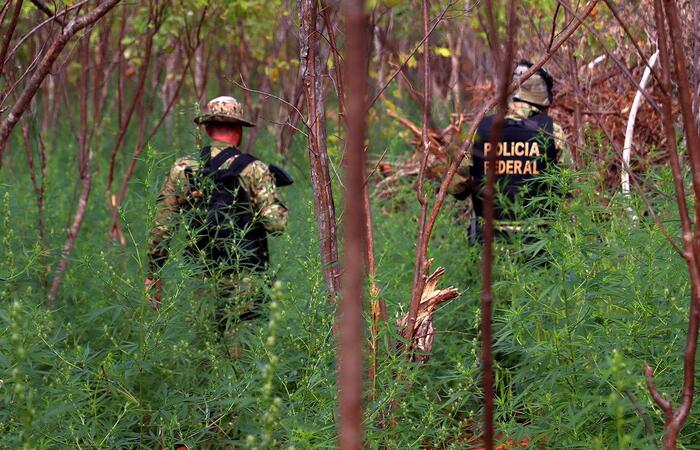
[172, 195]
[564, 156]
[460, 186]
[257, 180]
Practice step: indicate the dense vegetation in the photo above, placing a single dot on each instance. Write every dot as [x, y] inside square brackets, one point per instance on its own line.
[104, 371]
[573, 325]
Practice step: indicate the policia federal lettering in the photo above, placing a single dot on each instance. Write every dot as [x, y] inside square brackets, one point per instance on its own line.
[507, 165]
[526, 150]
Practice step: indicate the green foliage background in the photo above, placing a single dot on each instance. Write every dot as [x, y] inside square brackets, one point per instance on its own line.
[104, 371]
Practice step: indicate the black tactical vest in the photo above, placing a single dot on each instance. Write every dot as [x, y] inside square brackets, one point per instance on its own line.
[525, 151]
[221, 222]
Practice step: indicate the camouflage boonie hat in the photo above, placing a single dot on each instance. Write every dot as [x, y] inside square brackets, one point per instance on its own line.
[537, 89]
[223, 110]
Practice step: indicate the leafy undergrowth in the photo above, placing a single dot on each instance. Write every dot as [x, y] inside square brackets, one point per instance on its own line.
[103, 371]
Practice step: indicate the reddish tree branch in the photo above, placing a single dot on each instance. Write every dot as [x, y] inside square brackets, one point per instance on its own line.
[140, 86]
[46, 10]
[44, 66]
[675, 419]
[420, 263]
[7, 37]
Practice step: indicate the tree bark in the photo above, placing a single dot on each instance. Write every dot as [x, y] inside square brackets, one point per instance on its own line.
[350, 370]
[674, 419]
[312, 64]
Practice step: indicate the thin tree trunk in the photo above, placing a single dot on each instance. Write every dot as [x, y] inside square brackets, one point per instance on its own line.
[629, 133]
[39, 187]
[674, 419]
[420, 265]
[200, 63]
[74, 229]
[289, 118]
[350, 370]
[7, 37]
[84, 163]
[503, 60]
[266, 86]
[124, 125]
[578, 119]
[312, 65]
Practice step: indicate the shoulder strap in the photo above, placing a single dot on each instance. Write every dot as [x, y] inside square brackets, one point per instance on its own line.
[216, 162]
[205, 153]
[540, 121]
[240, 163]
[211, 165]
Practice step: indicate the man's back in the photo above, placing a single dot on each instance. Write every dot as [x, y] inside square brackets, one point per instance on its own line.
[179, 192]
[525, 150]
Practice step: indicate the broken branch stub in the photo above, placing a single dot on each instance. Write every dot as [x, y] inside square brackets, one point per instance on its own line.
[423, 329]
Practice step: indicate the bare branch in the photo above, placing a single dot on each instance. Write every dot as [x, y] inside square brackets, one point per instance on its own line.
[46, 10]
[664, 404]
[34, 82]
[410, 55]
[7, 38]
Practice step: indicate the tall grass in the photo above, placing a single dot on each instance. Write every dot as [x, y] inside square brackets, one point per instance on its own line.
[104, 371]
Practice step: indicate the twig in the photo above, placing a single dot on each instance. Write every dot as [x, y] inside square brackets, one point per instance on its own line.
[648, 424]
[616, 60]
[554, 26]
[276, 97]
[410, 55]
[632, 39]
[42, 24]
[46, 10]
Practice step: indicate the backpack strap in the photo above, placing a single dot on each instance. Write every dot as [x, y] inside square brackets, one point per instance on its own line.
[211, 165]
[216, 162]
[240, 163]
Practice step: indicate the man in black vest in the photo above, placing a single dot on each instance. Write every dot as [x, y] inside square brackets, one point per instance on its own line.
[229, 203]
[529, 145]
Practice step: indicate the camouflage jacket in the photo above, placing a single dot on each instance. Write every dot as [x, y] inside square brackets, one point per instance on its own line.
[461, 183]
[256, 179]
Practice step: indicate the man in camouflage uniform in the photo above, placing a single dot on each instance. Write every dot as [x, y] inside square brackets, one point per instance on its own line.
[229, 203]
[530, 143]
